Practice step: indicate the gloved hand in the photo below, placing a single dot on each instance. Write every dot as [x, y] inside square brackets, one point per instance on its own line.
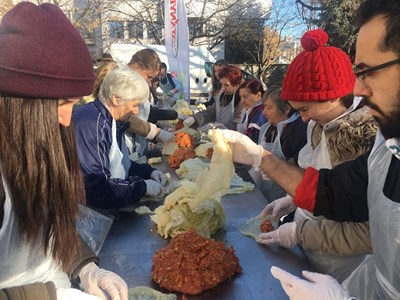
[284, 236]
[264, 176]
[159, 177]
[181, 117]
[100, 282]
[244, 150]
[316, 286]
[170, 93]
[189, 121]
[200, 100]
[218, 126]
[166, 136]
[279, 208]
[153, 188]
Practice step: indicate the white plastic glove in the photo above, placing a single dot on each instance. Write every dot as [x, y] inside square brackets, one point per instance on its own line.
[316, 286]
[170, 93]
[159, 177]
[200, 100]
[166, 136]
[264, 176]
[153, 188]
[189, 121]
[218, 126]
[100, 282]
[154, 130]
[279, 208]
[284, 236]
[244, 150]
[68, 294]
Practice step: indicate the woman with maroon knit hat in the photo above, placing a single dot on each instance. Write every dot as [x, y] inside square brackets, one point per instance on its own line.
[45, 68]
[319, 84]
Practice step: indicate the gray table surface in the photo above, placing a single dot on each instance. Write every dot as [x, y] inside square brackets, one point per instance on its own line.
[133, 240]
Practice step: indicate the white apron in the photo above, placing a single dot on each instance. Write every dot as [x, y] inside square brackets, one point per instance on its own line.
[275, 147]
[119, 158]
[225, 115]
[22, 263]
[319, 158]
[137, 144]
[244, 124]
[378, 277]
[271, 190]
[168, 101]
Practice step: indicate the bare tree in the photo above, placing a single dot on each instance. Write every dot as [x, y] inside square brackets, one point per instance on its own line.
[251, 32]
[310, 10]
[254, 31]
[336, 17]
[208, 20]
[5, 6]
[281, 30]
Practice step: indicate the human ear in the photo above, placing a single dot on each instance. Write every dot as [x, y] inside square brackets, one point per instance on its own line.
[115, 100]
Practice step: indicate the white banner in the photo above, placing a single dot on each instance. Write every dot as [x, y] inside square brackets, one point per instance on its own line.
[177, 43]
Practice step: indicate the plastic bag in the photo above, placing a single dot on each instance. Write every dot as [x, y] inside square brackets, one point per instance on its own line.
[93, 227]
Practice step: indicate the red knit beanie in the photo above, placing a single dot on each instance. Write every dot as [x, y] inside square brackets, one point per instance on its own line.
[42, 54]
[319, 72]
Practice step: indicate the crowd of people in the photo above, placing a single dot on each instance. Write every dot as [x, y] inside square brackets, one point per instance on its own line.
[326, 139]
[363, 189]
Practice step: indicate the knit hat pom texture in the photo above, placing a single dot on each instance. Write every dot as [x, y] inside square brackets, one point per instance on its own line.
[319, 72]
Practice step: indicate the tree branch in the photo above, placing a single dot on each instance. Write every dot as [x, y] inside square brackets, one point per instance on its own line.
[310, 7]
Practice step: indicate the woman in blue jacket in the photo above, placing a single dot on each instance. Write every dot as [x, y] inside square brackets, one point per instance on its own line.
[251, 92]
[112, 180]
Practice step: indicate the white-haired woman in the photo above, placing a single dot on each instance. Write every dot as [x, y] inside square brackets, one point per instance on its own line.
[112, 180]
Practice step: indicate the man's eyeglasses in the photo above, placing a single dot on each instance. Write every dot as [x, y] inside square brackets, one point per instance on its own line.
[361, 75]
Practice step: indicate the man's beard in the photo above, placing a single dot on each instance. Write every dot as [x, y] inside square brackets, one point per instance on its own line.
[389, 123]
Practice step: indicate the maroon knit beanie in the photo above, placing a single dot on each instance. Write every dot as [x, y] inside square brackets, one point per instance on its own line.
[319, 72]
[42, 54]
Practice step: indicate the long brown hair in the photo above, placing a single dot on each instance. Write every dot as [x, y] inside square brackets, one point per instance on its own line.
[215, 83]
[100, 74]
[146, 59]
[40, 165]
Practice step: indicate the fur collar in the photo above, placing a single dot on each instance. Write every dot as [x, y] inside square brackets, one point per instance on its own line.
[350, 136]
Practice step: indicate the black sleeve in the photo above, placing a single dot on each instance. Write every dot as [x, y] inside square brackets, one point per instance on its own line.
[342, 191]
[293, 139]
[253, 134]
[210, 102]
[157, 114]
[142, 170]
[171, 81]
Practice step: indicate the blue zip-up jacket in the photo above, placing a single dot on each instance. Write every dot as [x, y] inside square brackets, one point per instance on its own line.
[255, 121]
[92, 124]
